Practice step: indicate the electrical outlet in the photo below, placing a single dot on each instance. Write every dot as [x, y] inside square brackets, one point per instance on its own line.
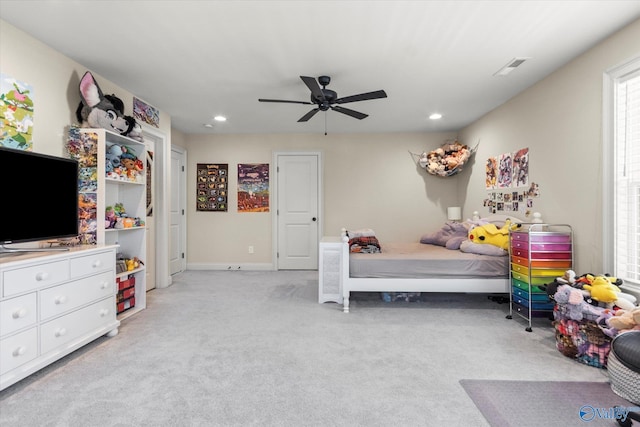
[250, 249]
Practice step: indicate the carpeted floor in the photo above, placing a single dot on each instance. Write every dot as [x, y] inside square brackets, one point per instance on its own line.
[254, 348]
[546, 403]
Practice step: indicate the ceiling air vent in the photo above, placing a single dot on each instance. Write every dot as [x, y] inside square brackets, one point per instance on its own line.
[512, 65]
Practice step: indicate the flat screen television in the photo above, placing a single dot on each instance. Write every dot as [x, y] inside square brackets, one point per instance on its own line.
[39, 197]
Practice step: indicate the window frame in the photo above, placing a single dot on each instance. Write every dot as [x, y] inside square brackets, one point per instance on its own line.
[610, 79]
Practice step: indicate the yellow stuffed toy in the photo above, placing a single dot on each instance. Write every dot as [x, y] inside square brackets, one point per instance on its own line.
[490, 234]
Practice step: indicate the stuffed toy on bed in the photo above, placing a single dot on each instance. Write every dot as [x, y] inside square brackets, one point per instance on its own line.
[492, 235]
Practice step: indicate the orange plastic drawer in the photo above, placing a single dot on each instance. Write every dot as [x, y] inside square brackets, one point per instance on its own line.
[520, 261]
[550, 264]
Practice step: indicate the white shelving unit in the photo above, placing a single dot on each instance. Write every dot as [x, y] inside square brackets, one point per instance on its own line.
[109, 189]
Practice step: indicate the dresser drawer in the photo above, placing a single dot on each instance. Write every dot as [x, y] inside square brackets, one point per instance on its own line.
[17, 313]
[535, 297]
[93, 263]
[62, 298]
[18, 350]
[37, 276]
[63, 330]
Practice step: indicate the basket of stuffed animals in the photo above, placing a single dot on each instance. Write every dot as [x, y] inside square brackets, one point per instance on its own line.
[589, 312]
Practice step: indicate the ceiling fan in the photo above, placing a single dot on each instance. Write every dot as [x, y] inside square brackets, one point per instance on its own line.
[326, 99]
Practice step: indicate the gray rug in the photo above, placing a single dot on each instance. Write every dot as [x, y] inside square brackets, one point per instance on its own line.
[546, 403]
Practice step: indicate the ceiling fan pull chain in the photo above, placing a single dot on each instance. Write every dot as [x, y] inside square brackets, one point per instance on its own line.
[325, 123]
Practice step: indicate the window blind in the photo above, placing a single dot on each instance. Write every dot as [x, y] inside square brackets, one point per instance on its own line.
[627, 178]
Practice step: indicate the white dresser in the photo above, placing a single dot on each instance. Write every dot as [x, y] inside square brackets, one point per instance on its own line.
[51, 304]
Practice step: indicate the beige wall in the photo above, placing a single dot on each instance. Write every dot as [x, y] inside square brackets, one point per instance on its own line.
[369, 181]
[560, 120]
[55, 79]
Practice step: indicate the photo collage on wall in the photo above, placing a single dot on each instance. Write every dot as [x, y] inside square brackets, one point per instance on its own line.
[83, 147]
[507, 183]
[253, 187]
[212, 187]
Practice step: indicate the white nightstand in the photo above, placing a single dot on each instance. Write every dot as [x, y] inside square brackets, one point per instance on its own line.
[330, 270]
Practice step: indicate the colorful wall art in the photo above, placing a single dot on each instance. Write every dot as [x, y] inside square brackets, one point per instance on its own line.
[16, 113]
[212, 187]
[253, 187]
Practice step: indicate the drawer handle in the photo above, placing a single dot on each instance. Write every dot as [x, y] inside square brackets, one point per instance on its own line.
[19, 313]
[42, 276]
[104, 312]
[61, 299]
[97, 263]
[104, 285]
[60, 332]
[20, 351]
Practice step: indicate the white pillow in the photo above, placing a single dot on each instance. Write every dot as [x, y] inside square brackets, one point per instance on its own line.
[482, 249]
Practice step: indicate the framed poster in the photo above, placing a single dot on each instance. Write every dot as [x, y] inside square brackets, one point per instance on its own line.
[16, 110]
[212, 187]
[253, 187]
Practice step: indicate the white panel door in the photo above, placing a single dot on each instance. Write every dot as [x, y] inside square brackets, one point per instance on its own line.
[297, 202]
[177, 211]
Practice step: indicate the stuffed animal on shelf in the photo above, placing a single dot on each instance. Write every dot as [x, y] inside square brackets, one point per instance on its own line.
[97, 110]
[492, 235]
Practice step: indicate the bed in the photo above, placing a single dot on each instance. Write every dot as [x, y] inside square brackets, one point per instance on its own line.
[419, 267]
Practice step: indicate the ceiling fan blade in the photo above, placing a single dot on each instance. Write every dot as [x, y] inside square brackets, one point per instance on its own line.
[282, 100]
[358, 115]
[310, 114]
[362, 97]
[313, 86]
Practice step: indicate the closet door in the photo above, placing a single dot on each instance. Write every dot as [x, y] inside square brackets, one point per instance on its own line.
[297, 204]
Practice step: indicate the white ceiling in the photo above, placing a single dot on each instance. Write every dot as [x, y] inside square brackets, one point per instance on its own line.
[197, 59]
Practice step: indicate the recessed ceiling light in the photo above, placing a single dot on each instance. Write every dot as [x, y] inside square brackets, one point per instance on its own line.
[220, 119]
[208, 125]
[435, 116]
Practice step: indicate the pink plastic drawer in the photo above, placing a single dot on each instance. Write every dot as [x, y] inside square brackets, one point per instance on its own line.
[551, 237]
[517, 244]
[521, 253]
[550, 255]
[520, 237]
[553, 247]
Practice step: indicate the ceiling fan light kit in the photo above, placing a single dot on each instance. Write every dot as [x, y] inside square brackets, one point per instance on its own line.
[326, 99]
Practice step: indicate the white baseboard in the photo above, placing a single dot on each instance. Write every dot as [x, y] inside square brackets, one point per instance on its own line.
[231, 267]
